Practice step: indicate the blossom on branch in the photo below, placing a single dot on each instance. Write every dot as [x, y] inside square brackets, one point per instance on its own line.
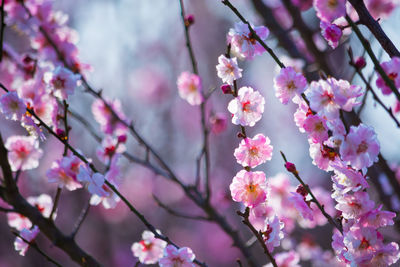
[289, 84]
[23, 152]
[190, 88]
[253, 151]
[12, 106]
[249, 188]
[174, 257]
[228, 70]
[150, 249]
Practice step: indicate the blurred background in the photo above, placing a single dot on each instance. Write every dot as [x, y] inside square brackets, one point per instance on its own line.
[137, 51]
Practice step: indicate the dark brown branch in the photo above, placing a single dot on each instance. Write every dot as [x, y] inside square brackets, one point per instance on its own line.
[374, 27]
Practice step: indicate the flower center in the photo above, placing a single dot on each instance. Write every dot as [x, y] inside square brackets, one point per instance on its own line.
[146, 246]
[291, 86]
[332, 4]
[58, 83]
[246, 107]
[251, 188]
[362, 148]
[393, 76]
[192, 88]
[319, 127]
[253, 151]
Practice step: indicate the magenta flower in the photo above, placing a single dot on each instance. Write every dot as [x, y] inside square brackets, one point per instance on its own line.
[377, 218]
[174, 257]
[228, 70]
[249, 188]
[247, 108]
[253, 152]
[348, 179]
[360, 147]
[189, 88]
[392, 69]
[354, 205]
[12, 106]
[316, 127]
[272, 232]
[329, 10]
[218, 123]
[29, 235]
[386, 255]
[288, 259]
[243, 44]
[289, 84]
[61, 82]
[64, 172]
[150, 249]
[331, 33]
[299, 202]
[23, 152]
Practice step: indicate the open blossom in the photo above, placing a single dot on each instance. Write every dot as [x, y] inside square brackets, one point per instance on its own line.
[272, 232]
[329, 10]
[316, 127]
[174, 257]
[288, 84]
[64, 172]
[300, 204]
[94, 181]
[331, 33]
[243, 44]
[29, 235]
[360, 147]
[247, 108]
[150, 249]
[249, 188]
[392, 69]
[62, 82]
[348, 179]
[12, 106]
[323, 156]
[287, 259]
[354, 205]
[228, 70]
[377, 218]
[105, 117]
[218, 123]
[253, 151]
[321, 97]
[23, 152]
[109, 147]
[386, 255]
[189, 88]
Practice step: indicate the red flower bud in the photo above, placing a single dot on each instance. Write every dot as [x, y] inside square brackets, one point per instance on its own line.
[290, 167]
[226, 89]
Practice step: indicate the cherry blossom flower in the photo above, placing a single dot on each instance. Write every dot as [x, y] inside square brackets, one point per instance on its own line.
[109, 147]
[249, 188]
[360, 147]
[300, 204]
[331, 33]
[377, 218]
[12, 106]
[174, 257]
[321, 97]
[386, 255]
[64, 172]
[323, 156]
[272, 232]
[150, 249]
[23, 152]
[62, 82]
[29, 235]
[328, 10]
[105, 117]
[189, 88]
[316, 127]
[228, 70]
[392, 69]
[218, 123]
[289, 84]
[287, 259]
[381, 9]
[247, 108]
[94, 181]
[244, 45]
[345, 94]
[253, 151]
[348, 179]
[354, 205]
[259, 214]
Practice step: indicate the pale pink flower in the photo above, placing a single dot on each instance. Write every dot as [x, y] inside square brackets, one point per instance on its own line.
[272, 232]
[94, 181]
[243, 44]
[62, 82]
[12, 106]
[316, 127]
[354, 205]
[381, 9]
[289, 84]
[150, 249]
[260, 213]
[109, 147]
[386, 255]
[64, 172]
[23, 152]
[247, 108]
[189, 88]
[329, 10]
[18, 221]
[228, 70]
[29, 235]
[105, 117]
[322, 155]
[286, 259]
[392, 69]
[254, 151]
[174, 257]
[360, 147]
[302, 207]
[218, 123]
[249, 188]
[322, 99]
[331, 33]
[345, 94]
[348, 179]
[44, 203]
[377, 218]
[301, 114]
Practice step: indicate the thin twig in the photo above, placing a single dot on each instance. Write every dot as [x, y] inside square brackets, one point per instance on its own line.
[81, 219]
[56, 200]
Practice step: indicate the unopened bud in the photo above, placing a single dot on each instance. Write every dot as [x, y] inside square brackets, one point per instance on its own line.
[122, 138]
[290, 167]
[226, 89]
[360, 62]
[189, 20]
[301, 190]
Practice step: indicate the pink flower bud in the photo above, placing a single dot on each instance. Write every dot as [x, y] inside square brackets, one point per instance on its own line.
[226, 89]
[302, 190]
[360, 62]
[122, 138]
[290, 167]
[189, 20]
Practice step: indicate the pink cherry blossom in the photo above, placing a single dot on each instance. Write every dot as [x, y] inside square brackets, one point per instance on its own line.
[228, 70]
[360, 147]
[23, 152]
[247, 108]
[354, 205]
[322, 155]
[321, 97]
[260, 213]
[174, 257]
[64, 172]
[94, 181]
[381, 9]
[301, 114]
[377, 218]
[61, 82]
[331, 33]
[18, 221]
[218, 123]
[150, 249]
[289, 84]
[328, 10]
[345, 94]
[243, 44]
[348, 179]
[316, 127]
[392, 69]
[302, 207]
[249, 188]
[253, 151]
[29, 235]
[272, 232]
[44, 203]
[386, 255]
[12, 106]
[105, 117]
[190, 88]
[109, 147]
[286, 259]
